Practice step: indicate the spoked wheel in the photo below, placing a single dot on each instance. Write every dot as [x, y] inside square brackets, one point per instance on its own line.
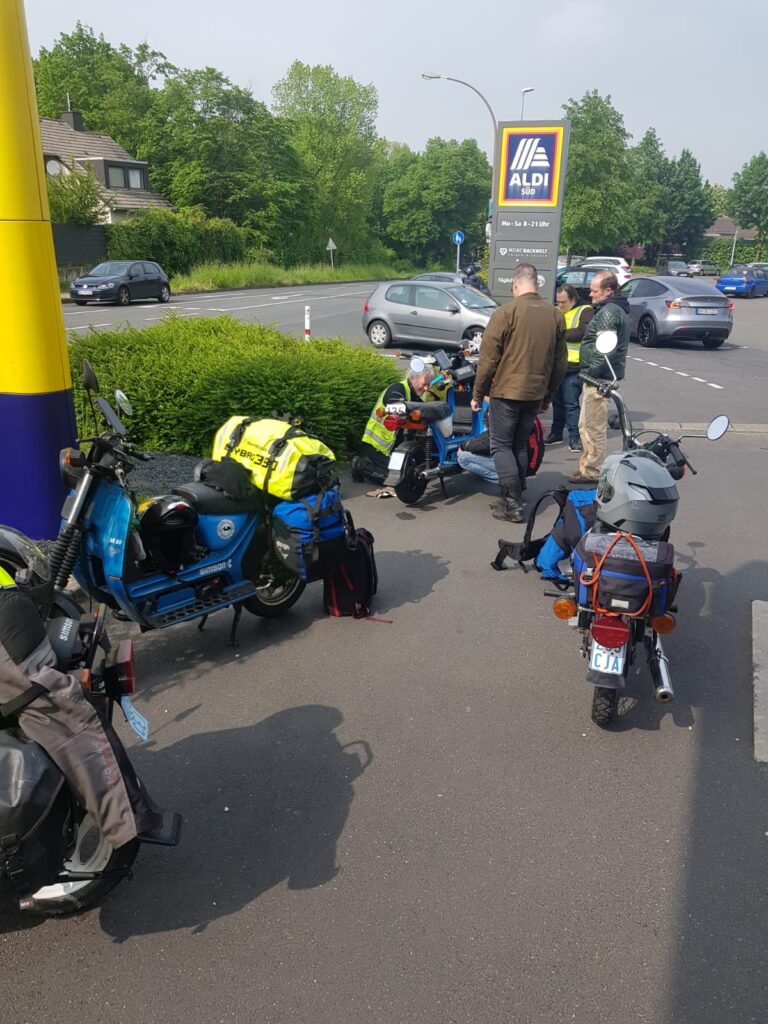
[412, 484]
[123, 296]
[91, 853]
[604, 703]
[280, 594]
[647, 334]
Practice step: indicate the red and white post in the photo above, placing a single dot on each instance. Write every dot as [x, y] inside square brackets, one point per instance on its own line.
[307, 324]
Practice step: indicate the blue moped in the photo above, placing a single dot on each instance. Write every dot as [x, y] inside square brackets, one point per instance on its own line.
[207, 550]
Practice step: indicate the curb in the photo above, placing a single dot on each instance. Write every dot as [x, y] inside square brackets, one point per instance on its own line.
[681, 428]
[760, 678]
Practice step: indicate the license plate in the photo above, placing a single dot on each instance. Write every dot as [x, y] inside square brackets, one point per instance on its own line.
[85, 291]
[729, 289]
[707, 312]
[607, 659]
[134, 718]
[396, 460]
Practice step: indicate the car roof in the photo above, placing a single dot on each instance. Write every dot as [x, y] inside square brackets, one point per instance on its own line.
[685, 285]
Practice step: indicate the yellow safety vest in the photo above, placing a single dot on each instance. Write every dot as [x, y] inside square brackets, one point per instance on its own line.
[375, 433]
[572, 318]
[6, 580]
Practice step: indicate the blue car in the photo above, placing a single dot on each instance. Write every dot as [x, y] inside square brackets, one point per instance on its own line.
[744, 279]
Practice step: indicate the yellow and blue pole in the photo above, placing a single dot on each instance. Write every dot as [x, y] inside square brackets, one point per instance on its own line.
[36, 409]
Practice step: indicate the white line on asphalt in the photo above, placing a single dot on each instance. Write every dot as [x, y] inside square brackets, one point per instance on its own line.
[699, 379]
[681, 373]
[84, 327]
[649, 362]
[760, 678]
[667, 368]
[711, 385]
[259, 305]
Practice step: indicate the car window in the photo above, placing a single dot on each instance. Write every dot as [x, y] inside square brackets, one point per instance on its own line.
[433, 298]
[737, 270]
[399, 293]
[137, 270]
[150, 269]
[628, 289]
[647, 289]
[112, 269]
[574, 277]
[470, 298]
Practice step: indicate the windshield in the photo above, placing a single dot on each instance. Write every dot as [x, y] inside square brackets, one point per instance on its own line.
[109, 270]
[471, 298]
[677, 264]
[737, 270]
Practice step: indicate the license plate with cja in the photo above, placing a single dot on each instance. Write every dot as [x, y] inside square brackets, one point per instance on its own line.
[607, 659]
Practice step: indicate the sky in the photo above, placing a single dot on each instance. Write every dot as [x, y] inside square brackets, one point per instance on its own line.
[695, 70]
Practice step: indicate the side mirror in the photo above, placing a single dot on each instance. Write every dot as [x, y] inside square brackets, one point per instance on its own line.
[123, 403]
[718, 427]
[90, 380]
[606, 342]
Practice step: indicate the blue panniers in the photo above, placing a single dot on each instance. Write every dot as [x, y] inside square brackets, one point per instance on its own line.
[308, 534]
[622, 585]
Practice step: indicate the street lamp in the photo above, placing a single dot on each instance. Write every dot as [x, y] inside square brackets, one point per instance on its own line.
[430, 75]
[522, 101]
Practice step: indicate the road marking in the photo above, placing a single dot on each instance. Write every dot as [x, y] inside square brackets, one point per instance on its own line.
[667, 368]
[260, 305]
[679, 373]
[760, 678]
[84, 327]
[718, 386]
[699, 379]
[649, 362]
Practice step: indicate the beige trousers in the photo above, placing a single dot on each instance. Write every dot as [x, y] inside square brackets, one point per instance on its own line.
[593, 430]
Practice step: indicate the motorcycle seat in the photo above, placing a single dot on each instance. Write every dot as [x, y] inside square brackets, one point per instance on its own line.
[211, 501]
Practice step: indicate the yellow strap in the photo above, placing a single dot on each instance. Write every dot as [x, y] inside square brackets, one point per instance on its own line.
[6, 580]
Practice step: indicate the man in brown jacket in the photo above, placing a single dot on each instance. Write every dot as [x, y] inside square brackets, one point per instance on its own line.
[523, 358]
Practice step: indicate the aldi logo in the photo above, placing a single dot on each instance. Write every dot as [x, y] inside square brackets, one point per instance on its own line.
[530, 166]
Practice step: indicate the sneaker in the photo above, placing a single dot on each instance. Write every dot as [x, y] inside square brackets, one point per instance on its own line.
[553, 438]
[575, 446]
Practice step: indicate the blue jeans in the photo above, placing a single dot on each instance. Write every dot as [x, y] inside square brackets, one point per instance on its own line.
[480, 465]
[565, 407]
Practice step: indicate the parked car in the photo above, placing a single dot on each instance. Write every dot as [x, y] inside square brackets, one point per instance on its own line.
[121, 281]
[565, 261]
[611, 261]
[674, 268]
[703, 268]
[580, 277]
[662, 308]
[418, 311]
[746, 279]
[443, 277]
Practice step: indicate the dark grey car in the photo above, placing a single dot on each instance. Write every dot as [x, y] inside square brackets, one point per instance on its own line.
[121, 281]
[423, 312]
[662, 308]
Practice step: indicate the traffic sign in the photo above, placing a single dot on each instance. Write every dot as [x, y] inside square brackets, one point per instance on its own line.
[457, 237]
[332, 245]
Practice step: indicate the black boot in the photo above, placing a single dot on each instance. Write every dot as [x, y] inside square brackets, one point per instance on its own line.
[509, 508]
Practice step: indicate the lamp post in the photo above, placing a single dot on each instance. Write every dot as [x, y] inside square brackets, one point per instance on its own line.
[430, 75]
[522, 101]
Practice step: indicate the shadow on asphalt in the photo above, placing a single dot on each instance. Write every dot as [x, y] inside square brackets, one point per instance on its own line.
[262, 805]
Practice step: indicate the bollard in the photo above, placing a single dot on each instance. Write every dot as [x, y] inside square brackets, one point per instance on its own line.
[307, 325]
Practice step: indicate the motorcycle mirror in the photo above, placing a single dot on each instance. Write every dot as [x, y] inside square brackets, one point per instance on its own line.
[123, 402]
[606, 342]
[418, 365]
[718, 427]
[90, 380]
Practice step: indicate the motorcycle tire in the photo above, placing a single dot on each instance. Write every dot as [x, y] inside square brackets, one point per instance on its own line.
[271, 602]
[604, 703]
[91, 852]
[412, 486]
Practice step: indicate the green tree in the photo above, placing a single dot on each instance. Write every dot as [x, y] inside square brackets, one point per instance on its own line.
[111, 87]
[720, 197]
[687, 203]
[74, 197]
[597, 214]
[749, 197]
[649, 173]
[431, 194]
[332, 125]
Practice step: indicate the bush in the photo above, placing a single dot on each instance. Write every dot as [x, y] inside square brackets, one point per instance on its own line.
[185, 377]
[74, 197]
[212, 277]
[718, 251]
[177, 241]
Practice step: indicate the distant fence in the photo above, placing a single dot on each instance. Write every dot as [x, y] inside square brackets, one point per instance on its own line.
[77, 246]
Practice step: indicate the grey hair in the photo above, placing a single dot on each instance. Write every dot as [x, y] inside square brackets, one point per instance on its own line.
[526, 273]
[607, 279]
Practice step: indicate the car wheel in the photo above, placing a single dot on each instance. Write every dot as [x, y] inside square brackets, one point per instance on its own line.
[165, 294]
[712, 342]
[123, 296]
[647, 334]
[474, 334]
[379, 334]
[79, 302]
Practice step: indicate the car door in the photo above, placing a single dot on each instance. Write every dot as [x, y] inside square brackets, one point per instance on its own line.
[437, 315]
[152, 280]
[398, 300]
[647, 297]
[137, 281]
[627, 292]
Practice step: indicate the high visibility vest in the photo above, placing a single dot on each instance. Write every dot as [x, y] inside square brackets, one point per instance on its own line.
[6, 580]
[572, 318]
[375, 433]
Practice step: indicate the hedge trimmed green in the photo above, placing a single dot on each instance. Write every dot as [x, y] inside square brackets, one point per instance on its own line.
[185, 377]
[177, 241]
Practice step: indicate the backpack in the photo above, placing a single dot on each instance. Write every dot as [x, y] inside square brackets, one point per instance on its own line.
[283, 460]
[350, 589]
[308, 535]
[535, 447]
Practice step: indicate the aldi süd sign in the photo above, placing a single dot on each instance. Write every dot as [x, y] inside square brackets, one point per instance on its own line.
[530, 166]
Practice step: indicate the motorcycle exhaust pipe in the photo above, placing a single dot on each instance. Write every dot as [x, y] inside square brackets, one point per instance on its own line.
[659, 666]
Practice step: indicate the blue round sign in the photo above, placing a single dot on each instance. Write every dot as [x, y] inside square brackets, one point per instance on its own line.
[457, 237]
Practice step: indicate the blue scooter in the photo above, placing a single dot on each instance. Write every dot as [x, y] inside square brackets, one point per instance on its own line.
[429, 447]
[206, 550]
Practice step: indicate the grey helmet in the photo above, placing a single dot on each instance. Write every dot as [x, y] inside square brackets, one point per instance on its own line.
[636, 494]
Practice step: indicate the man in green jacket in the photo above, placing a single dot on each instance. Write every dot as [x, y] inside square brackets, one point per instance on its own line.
[611, 314]
[523, 358]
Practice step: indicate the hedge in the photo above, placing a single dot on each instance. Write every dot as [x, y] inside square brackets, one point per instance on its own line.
[718, 251]
[177, 241]
[185, 377]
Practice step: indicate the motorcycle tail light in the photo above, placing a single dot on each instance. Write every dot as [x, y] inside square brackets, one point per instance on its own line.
[379, 412]
[564, 608]
[610, 631]
[392, 422]
[123, 668]
[416, 415]
[663, 623]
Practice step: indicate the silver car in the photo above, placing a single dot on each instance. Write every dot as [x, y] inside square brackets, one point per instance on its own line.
[662, 308]
[425, 312]
[703, 268]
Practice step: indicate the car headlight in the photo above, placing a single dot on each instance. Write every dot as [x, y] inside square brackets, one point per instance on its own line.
[110, 284]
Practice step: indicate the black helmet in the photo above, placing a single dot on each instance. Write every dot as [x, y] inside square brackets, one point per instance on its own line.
[167, 526]
[23, 560]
